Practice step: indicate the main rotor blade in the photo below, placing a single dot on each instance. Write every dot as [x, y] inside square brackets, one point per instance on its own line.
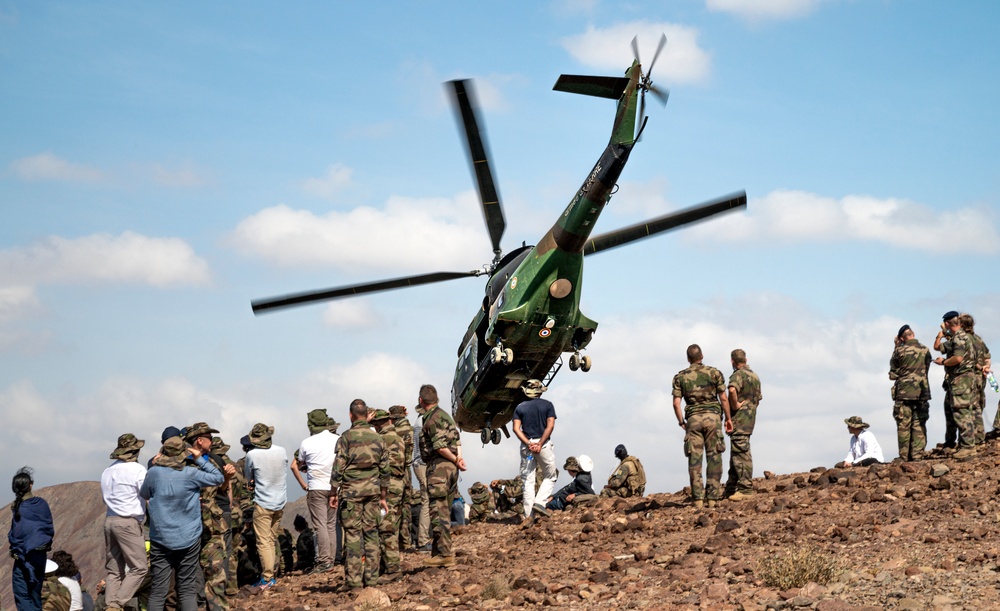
[659, 47]
[274, 303]
[465, 106]
[674, 220]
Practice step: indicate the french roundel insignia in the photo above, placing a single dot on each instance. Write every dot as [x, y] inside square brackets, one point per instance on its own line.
[513, 282]
[545, 333]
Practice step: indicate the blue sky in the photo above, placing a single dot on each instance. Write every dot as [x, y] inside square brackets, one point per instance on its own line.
[162, 165]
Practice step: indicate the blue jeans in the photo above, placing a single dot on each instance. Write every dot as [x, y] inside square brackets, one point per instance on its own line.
[26, 579]
[182, 561]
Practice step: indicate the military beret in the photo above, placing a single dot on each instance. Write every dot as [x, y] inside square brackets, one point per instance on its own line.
[949, 315]
[902, 330]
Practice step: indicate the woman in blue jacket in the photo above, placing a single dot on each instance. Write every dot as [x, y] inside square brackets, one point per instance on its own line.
[30, 537]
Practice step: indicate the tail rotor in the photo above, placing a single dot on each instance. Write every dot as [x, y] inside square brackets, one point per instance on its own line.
[645, 80]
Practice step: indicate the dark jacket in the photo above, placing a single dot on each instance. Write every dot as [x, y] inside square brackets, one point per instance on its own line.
[33, 530]
[581, 484]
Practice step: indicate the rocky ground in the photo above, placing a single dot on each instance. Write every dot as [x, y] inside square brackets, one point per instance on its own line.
[920, 535]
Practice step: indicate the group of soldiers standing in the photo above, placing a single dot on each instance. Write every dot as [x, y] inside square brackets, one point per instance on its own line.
[967, 366]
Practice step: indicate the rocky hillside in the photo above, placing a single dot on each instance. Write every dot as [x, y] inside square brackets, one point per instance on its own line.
[901, 536]
[918, 535]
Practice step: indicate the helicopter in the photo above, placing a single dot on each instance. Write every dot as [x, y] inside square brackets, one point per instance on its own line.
[530, 314]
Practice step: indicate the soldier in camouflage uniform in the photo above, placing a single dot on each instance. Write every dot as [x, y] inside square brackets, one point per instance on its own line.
[361, 478]
[389, 527]
[744, 397]
[220, 449]
[982, 368]
[213, 542]
[482, 503]
[440, 449]
[244, 564]
[629, 479]
[55, 596]
[704, 391]
[405, 431]
[508, 495]
[960, 365]
[911, 393]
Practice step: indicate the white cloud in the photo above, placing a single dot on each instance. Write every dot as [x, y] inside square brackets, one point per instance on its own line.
[127, 258]
[46, 166]
[682, 60]
[336, 179]
[350, 314]
[795, 216]
[184, 175]
[406, 235]
[759, 10]
[16, 301]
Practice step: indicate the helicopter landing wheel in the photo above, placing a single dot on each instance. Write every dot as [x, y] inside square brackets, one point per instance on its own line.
[574, 362]
[495, 437]
[484, 435]
[508, 356]
[586, 363]
[496, 354]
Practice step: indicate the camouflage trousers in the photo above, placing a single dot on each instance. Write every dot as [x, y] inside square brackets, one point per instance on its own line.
[479, 512]
[950, 428]
[911, 428]
[964, 396]
[702, 439]
[213, 566]
[405, 516]
[232, 561]
[442, 482]
[740, 478]
[622, 492]
[360, 518]
[389, 528]
[980, 407]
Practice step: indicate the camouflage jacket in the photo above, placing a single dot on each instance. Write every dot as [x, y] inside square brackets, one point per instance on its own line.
[508, 494]
[908, 367]
[960, 344]
[747, 386]
[982, 352]
[700, 386]
[55, 596]
[361, 469]
[212, 518]
[629, 475]
[405, 431]
[395, 449]
[242, 495]
[438, 431]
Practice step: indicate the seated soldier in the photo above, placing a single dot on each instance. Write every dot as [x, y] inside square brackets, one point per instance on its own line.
[305, 545]
[629, 479]
[509, 496]
[579, 469]
[482, 503]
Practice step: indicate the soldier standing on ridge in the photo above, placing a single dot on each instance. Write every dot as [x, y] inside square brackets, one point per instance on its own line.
[361, 478]
[214, 500]
[219, 448]
[911, 393]
[982, 367]
[394, 449]
[961, 365]
[744, 397]
[405, 431]
[440, 449]
[704, 391]
[942, 344]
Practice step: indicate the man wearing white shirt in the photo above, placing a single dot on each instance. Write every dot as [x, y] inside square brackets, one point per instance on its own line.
[864, 447]
[265, 472]
[316, 455]
[123, 538]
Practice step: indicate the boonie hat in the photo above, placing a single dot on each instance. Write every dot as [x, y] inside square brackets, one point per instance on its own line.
[197, 430]
[856, 422]
[127, 445]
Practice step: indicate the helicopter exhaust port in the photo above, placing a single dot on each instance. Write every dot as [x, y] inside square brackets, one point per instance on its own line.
[560, 288]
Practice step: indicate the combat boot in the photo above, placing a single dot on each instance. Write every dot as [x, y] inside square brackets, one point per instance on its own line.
[740, 496]
[698, 503]
[440, 561]
[964, 453]
[710, 503]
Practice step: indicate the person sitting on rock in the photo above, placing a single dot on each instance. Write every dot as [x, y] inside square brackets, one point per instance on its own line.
[579, 469]
[629, 479]
[482, 503]
[864, 447]
[508, 495]
[305, 545]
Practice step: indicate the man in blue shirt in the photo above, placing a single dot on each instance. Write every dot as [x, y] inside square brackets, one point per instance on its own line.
[534, 420]
[173, 488]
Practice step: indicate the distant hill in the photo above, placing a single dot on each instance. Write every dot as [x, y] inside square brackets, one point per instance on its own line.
[78, 511]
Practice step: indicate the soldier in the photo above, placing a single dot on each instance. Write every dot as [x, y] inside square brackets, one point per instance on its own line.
[305, 545]
[911, 393]
[482, 503]
[704, 391]
[629, 479]
[405, 431]
[361, 478]
[941, 344]
[214, 501]
[960, 365]
[744, 397]
[982, 367]
[508, 495]
[389, 528]
[440, 449]
[220, 449]
[244, 564]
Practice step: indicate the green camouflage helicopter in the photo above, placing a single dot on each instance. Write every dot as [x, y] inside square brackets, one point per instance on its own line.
[530, 315]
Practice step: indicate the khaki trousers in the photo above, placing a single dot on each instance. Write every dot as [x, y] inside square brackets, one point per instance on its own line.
[266, 526]
[424, 526]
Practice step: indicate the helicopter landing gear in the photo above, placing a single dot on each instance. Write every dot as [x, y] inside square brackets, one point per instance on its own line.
[499, 354]
[489, 434]
[580, 362]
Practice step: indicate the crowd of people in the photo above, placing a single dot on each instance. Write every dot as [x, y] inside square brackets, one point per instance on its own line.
[214, 525]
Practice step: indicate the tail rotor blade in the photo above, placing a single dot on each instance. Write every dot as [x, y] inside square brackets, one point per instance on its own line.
[465, 109]
[635, 49]
[660, 94]
[674, 220]
[295, 299]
